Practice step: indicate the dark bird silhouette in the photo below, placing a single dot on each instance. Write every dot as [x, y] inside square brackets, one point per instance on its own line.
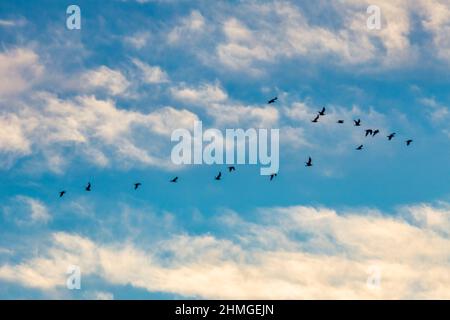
[340, 121]
[360, 147]
[309, 162]
[375, 132]
[88, 187]
[369, 132]
[62, 193]
[272, 100]
[174, 180]
[408, 142]
[137, 185]
[392, 135]
[322, 112]
[218, 176]
[357, 122]
[315, 119]
[272, 176]
[231, 168]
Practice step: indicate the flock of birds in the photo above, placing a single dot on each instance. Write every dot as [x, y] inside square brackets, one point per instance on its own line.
[308, 163]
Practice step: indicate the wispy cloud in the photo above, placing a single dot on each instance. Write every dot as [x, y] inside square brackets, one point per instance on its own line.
[294, 252]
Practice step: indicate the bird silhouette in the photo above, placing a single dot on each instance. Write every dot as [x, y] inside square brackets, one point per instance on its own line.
[369, 132]
[62, 193]
[340, 121]
[375, 132]
[272, 100]
[88, 187]
[272, 176]
[218, 176]
[315, 119]
[392, 135]
[174, 180]
[309, 162]
[137, 185]
[408, 142]
[322, 112]
[357, 122]
[360, 147]
[231, 168]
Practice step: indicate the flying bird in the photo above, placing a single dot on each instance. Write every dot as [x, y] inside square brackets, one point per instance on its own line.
[360, 147]
[322, 112]
[369, 132]
[408, 142]
[174, 180]
[375, 132]
[272, 100]
[218, 176]
[137, 185]
[315, 119]
[340, 121]
[309, 162]
[392, 135]
[272, 176]
[88, 187]
[357, 122]
[231, 168]
[62, 193]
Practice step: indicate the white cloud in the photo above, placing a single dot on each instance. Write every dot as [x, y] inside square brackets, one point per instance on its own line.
[39, 211]
[188, 29]
[267, 32]
[151, 74]
[202, 94]
[138, 40]
[435, 17]
[96, 129]
[113, 81]
[437, 112]
[213, 99]
[291, 253]
[19, 69]
[25, 210]
[99, 295]
[12, 23]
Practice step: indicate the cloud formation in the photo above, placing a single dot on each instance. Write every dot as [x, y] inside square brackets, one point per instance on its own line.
[292, 253]
[96, 129]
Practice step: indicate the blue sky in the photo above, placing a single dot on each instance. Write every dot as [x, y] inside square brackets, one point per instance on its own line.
[99, 105]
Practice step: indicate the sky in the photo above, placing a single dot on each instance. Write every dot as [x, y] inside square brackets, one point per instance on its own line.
[99, 104]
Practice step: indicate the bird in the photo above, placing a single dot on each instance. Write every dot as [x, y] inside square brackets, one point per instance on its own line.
[62, 193]
[218, 176]
[322, 112]
[137, 185]
[369, 132]
[375, 132]
[272, 176]
[309, 162]
[272, 100]
[391, 136]
[357, 122]
[231, 168]
[174, 180]
[408, 142]
[315, 119]
[88, 187]
[340, 121]
[360, 147]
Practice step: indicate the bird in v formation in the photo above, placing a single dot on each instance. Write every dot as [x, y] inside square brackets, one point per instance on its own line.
[308, 163]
